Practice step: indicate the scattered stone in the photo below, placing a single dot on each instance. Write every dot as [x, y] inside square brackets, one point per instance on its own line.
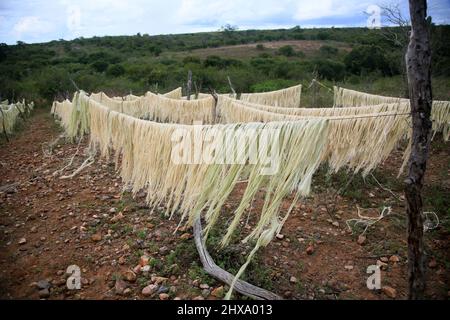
[163, 250]
[288, 294]
[348, 267]
[149, 290]
[112, 210]
[158, 280]
[96, 237]
[394, 259]
[280, 236]
[218, 292]
[336, 224]
[389, 291]
[22, 241]
[163, 296]
[198, 298]
[120, 286]
[127, 292]
[384, 259]
[33, 229]
[206, 293]
[130, 276]
[144, 260]
[162, 289]
[196, 283]
[44, 293]
[43, 284]
[310, 249]
[204, 286]
[361, 239]
[117, 217]
[293, 279]
[138, 269]
[121, 260]
[146, 269]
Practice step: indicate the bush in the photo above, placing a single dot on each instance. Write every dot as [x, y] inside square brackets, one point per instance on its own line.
[272, 85]
[286, 51]
[115, 70]
[366, 59]
[100, 66]
[329, 69]
[328, 50]
[260, 46]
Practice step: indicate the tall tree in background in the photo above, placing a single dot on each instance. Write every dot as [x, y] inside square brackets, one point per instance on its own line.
[418, 64]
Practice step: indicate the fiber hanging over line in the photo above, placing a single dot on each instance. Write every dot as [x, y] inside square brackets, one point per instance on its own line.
[286, 98]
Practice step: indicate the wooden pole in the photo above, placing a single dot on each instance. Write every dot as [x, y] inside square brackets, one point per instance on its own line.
[3, 121]
[418, 63]
[189, 85]
[231, 86]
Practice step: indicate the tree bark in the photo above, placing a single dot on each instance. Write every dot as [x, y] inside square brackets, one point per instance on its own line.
[418, 63]
[189, 85]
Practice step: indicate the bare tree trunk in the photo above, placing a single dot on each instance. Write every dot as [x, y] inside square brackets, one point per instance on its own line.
[418, 62]
[189, 85]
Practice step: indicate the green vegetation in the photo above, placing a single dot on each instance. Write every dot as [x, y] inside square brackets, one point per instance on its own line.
[357, 57]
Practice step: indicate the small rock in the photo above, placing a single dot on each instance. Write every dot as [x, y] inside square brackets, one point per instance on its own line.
[96, 237]
[206, 293]
[112, 210]
[389, 291]
[138, 269]
[204, 286]
[43, 284]
[22, 241]
[162, 289]
[288, 294]
[121, 260]
[144, 260]
[120, 286]
[280, 236]
[163, 296]
[218, 292]
[117, 217]
[361, 239]
[293, 279]
[44, 293]
[335, 223]
[149, 290]
[384, 259]
[158, 280]
[145, 269]
[130, 276]
[127, 292]
[348, 267]
[33, 229]
[310, 249]
[394, 259]
[198, 298]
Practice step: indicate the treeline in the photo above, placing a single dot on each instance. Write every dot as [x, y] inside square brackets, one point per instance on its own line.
[139, 63]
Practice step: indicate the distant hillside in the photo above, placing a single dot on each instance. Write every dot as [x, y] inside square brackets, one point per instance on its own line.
[255, 60]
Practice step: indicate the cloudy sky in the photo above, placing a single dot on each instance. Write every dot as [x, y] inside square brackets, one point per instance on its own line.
[45, 20]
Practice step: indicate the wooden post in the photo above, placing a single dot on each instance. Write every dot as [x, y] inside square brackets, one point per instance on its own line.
[231, 87]
[418, 63]
[189, 85]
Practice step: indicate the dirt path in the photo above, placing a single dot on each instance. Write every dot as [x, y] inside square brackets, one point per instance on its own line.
[48, 224]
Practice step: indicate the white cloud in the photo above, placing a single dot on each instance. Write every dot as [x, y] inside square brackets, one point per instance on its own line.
[319, 9]
[31, 25]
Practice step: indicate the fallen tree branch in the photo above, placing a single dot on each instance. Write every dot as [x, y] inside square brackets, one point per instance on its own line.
[215, 271]
[89, 161]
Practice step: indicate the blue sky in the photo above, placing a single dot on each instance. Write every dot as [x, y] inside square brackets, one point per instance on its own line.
[44, 20]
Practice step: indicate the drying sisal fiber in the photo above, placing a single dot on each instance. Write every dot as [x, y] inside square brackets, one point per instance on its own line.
[160, 108]
[440, 111]
[174, 94]
[287, 98]
[359, 142]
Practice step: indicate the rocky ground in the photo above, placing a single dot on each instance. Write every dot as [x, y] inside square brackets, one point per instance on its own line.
[126, 250]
